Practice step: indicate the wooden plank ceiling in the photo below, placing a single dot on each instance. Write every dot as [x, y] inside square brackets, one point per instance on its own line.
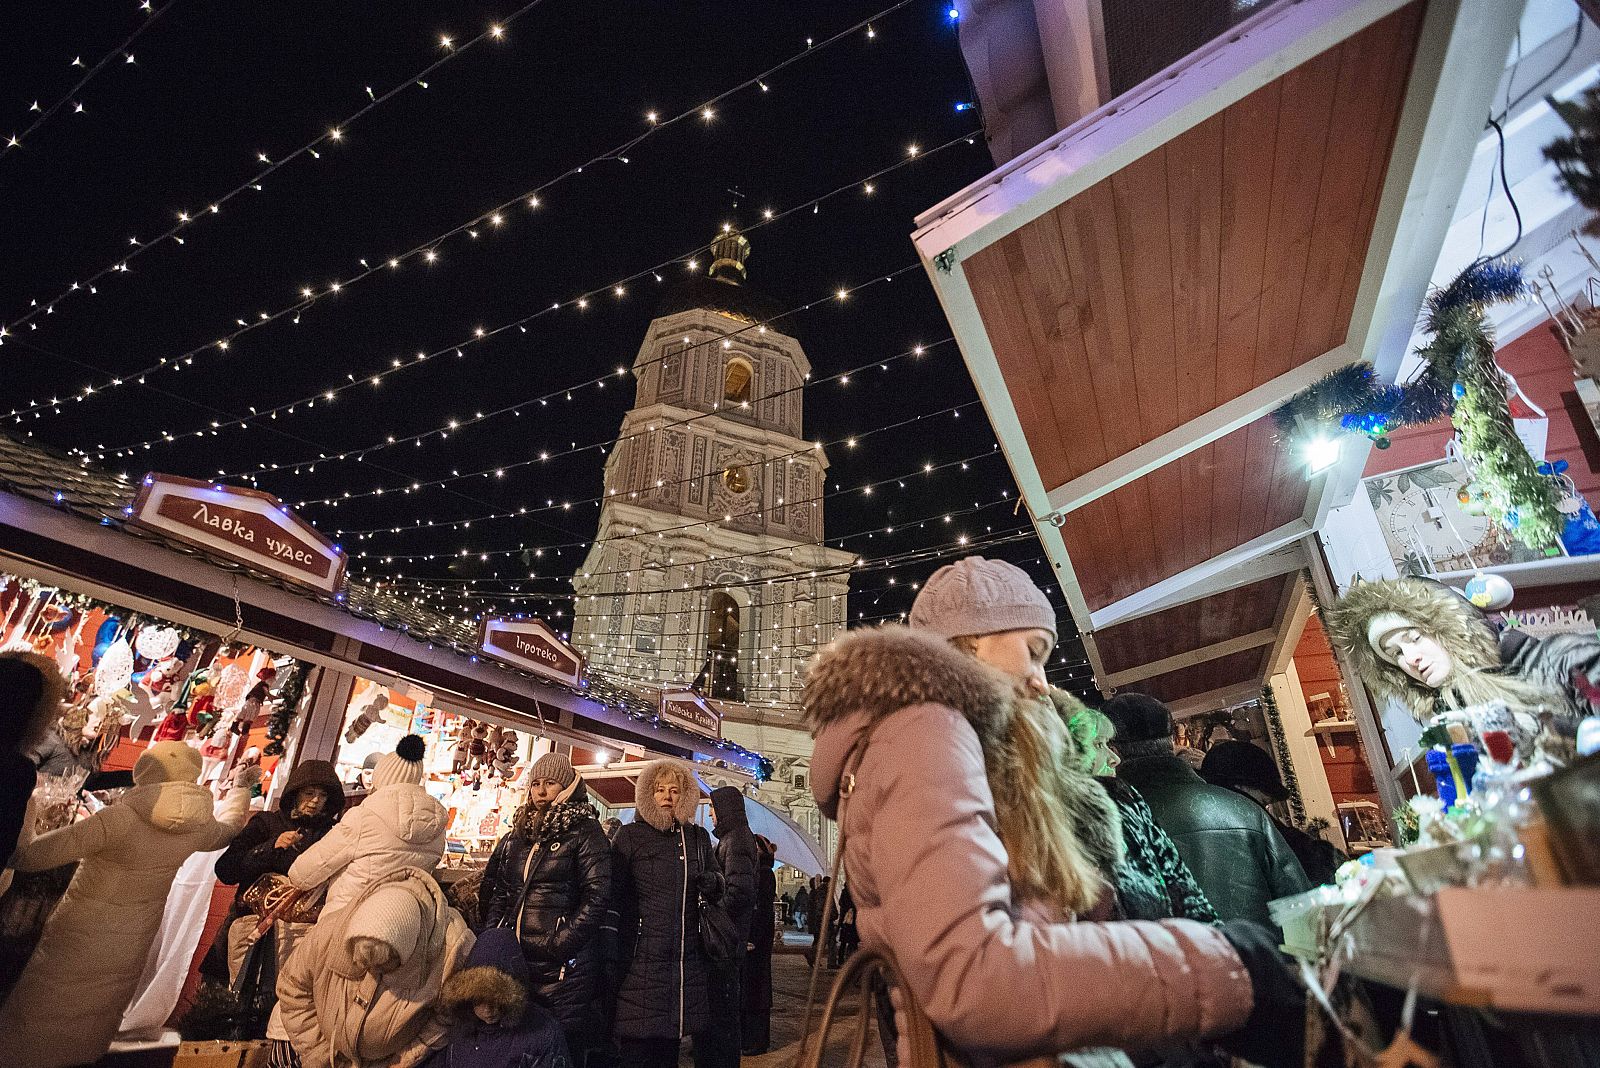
[1229, 256]
[1209, 266]
[1195, 625]
[1233, 670]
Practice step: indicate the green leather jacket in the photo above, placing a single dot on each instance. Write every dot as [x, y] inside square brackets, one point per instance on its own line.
[1228, 841]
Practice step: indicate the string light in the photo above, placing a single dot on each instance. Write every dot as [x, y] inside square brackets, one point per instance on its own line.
[615, 153]
[398, 365]
[335, 133]
[309, 295]
[443, 430]
[16, 140]
[818, 499]
[521, 512]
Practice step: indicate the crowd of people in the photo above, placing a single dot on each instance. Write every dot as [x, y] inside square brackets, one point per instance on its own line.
[999, 836]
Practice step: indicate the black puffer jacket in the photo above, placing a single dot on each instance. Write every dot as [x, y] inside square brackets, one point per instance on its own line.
[554, 889]
[254, 851]
[737, 854]
[662, 862]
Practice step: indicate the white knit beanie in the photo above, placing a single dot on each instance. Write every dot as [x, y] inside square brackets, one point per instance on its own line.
[974, 596]
[1379, 627]
[167, 762]
[390, 915]
[404, 765]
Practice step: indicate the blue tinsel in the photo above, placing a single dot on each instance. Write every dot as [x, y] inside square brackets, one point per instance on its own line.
[1484, 282]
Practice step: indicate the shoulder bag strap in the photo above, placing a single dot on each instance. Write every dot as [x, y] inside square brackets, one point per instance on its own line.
[847, 787]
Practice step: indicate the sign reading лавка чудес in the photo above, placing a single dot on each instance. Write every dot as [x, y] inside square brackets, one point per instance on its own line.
[248, 526]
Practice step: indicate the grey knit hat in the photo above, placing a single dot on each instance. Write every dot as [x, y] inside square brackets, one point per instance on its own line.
[975, 596]
[555, 767]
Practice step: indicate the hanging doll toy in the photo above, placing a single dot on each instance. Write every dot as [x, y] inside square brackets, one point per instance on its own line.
[371, 714]
[1422, 644]
[478, 746]
[202, 710]
[503, 759]
[460, 756]
[254, 700]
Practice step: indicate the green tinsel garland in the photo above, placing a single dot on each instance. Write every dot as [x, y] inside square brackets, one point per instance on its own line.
[1280, 747]
[294, 687]
[1459, 377]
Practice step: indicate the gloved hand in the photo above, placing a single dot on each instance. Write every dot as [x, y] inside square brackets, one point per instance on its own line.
[710, 886]
[247, 775]
[1275, 1035]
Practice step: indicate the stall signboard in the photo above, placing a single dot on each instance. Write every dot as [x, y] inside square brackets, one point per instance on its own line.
[687, 709]
[533, 645]
[245, 525]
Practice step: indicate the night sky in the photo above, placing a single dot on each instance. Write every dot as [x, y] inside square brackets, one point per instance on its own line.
[214, 84]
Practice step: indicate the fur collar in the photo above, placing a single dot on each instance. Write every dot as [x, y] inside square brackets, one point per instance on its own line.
[877, 672]
[1435, 609]
[644, 794]
[881, 670]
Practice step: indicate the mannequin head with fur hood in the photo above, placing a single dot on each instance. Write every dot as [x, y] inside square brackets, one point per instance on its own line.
[1421, 643]
[667, 793]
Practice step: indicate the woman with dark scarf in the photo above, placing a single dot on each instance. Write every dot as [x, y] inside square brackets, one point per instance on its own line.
[549, 880]
[312, 803]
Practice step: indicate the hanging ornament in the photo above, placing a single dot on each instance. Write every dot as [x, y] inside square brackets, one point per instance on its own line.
[231, 687]
[1489, 592]
[105, 636]
[157, 643]
[115, 670]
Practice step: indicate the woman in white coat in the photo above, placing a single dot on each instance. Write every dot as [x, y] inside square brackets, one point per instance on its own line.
[398, 826]
[69, 1002]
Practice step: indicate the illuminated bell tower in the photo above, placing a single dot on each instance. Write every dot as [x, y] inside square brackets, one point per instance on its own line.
[708, 563]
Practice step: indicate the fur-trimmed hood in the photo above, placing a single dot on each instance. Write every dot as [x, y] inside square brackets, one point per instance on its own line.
[644, 793]
[868, 675]
[495, 974]
[877, 672]
[1435, 609]
[51, 702]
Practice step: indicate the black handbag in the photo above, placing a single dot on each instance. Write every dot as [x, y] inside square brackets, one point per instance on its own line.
[719, 936]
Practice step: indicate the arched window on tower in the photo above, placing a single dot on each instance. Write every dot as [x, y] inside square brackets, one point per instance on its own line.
[722, 647]
[737, 382]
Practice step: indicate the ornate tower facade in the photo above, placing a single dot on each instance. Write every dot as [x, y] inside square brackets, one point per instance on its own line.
[708, 566]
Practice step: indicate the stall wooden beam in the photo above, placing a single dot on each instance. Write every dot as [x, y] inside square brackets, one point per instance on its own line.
[1179, 661]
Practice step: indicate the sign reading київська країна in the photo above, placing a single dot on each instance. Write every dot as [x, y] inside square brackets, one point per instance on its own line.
[248, 526]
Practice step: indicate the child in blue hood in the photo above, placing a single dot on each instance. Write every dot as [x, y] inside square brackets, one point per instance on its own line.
[494, 1025]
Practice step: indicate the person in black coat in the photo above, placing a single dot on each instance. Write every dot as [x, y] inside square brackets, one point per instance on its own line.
[312, 802]
[663, 864]
[31, 689]
[756, 1021]
[738, 855]
[549, 880]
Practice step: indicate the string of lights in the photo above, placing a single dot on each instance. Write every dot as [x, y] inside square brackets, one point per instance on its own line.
[841, 295]
[660, 533]
[314, 147]
[848, 440]
[926, 469]
[496, 218]
[616, 288]
[72, 96]
[947, 517]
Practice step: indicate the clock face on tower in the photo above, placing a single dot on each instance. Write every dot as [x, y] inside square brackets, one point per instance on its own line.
[737, 479]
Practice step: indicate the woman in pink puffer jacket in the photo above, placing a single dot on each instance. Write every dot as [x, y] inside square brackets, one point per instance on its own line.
[964, 856]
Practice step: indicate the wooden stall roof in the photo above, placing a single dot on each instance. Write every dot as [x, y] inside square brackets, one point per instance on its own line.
[1137, 294]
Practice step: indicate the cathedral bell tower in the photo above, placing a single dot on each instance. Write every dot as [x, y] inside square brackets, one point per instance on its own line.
[708, 566]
